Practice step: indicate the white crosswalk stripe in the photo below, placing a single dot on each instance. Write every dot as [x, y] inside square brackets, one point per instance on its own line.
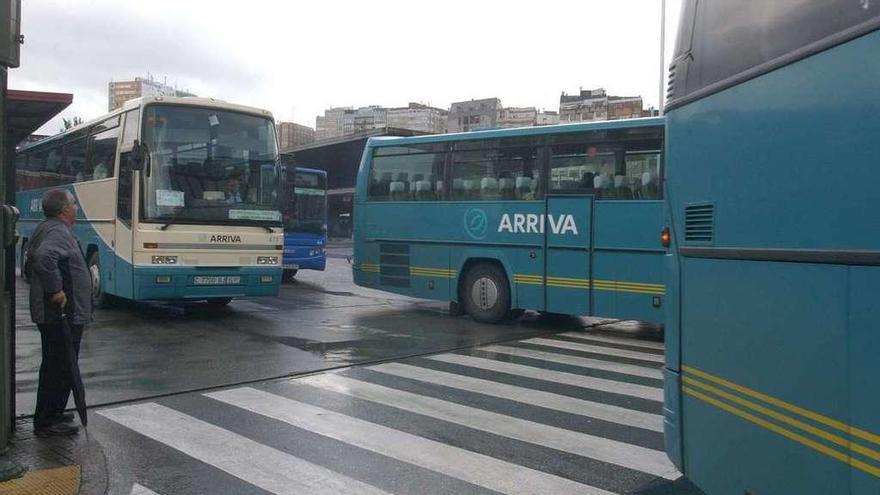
[597, 364]
[259, 465]
[596, 349]
[640, 391]
[137, 489]
[658, 346]
[462, 464]
[598, 410]
[614, 452]
[469, 441]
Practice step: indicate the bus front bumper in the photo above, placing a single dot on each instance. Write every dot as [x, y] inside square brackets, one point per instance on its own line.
[189, 283]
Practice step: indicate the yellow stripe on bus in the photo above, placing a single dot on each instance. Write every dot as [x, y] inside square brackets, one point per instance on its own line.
[819, 418]
[840, 456]
[843, 442]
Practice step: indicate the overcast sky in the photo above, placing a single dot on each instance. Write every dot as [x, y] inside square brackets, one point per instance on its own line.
[298, 58]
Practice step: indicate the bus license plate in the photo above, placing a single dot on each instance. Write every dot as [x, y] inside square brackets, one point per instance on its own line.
[218, 280]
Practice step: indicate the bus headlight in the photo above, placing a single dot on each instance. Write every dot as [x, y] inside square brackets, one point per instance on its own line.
[164, 260]
[267, 260]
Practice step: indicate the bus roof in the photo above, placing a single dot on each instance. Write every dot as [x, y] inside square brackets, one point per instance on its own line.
[145, 100]
[603, 125]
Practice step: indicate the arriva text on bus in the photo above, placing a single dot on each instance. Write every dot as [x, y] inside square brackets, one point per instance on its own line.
[532, 223]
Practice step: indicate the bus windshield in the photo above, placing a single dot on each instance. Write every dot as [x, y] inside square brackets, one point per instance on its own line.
[307, 209]
[210, 166]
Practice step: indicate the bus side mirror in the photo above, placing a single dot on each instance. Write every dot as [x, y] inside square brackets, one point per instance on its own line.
[139, 157]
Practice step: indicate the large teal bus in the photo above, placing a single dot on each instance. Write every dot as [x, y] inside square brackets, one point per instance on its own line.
[772, 166]
[195, 217]
[559, 219]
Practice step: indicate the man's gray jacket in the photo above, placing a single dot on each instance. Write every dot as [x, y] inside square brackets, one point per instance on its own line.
[55, 262]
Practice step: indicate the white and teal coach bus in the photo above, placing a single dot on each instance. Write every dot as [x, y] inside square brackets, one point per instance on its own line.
[178, 199]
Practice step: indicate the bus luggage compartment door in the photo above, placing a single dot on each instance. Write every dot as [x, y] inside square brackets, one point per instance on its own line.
[568, 237]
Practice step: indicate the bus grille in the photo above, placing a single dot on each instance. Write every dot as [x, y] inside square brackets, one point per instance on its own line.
[699, 223]
[394, 265]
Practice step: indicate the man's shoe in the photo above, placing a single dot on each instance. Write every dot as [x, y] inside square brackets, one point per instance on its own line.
[57, 430]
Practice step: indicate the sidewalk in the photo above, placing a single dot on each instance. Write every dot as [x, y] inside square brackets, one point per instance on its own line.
[60, 465]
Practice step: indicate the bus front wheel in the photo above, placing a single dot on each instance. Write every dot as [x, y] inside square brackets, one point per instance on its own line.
[22, 263]
[485, 294]
[100, 299]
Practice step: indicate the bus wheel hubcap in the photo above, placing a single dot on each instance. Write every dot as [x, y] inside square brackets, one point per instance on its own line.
[484, 293]
[96, 280]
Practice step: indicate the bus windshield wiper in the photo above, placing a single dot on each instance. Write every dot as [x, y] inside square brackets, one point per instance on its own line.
[171, 221]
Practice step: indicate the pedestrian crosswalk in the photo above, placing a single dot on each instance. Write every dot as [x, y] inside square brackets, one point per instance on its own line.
[572, 413]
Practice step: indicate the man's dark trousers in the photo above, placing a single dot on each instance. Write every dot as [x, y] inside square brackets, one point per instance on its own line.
[55, 381]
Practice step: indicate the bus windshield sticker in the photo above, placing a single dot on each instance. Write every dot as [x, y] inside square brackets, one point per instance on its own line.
[262, 215]
[166, 197]
[308, 191]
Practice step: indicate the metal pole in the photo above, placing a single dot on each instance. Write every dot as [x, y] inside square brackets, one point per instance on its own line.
[662, 55]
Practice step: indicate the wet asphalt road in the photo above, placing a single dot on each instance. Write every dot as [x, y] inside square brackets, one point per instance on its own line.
[332, 388]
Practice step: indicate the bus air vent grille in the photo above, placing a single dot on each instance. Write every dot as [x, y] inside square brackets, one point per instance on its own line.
[699, 223]
[394, 264]
[670, 86]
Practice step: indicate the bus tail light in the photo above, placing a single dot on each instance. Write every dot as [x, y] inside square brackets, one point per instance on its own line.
[266, 279]
[664, 237]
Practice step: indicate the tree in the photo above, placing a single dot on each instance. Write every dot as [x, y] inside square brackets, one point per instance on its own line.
[72, 122]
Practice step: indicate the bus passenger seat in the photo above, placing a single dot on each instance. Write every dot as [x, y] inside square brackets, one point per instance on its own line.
[506, 185]
[470, 188]
[489, 187]
[397, 191]
[457, 188]
[523, 186]
[423, 190]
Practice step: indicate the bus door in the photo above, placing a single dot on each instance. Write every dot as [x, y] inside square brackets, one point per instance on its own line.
[123, 276]
[568, 244]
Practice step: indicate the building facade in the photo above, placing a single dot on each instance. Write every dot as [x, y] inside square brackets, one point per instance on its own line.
[548, 117]
[121, 91]
[474, 115]
[291, 135]
[517, 117]
[418, 117]
[345, 121]
[596, 104]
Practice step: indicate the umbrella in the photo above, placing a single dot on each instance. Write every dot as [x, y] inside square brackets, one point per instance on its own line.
[76, 384]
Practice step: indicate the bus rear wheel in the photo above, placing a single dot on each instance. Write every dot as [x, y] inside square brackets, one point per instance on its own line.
[219, 302]
[288, 275]
[485, 293]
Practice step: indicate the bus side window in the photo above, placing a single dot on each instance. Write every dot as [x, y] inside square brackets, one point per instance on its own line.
[643, 174]
[406, 176]
[583, 168]
[496, 174]
[102, 154]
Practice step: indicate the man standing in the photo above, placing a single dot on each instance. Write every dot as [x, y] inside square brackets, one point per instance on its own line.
[61, 286]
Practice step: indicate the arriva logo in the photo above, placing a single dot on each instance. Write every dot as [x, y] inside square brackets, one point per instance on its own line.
[225, 238]
[476, 223]
[532, 223]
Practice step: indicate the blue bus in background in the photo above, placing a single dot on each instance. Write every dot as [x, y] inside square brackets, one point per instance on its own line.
[305, 221]
[772, 166]
[560, 219]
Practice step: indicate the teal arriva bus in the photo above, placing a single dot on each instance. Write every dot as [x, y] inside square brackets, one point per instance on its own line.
[772, 161]
[560, 219]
